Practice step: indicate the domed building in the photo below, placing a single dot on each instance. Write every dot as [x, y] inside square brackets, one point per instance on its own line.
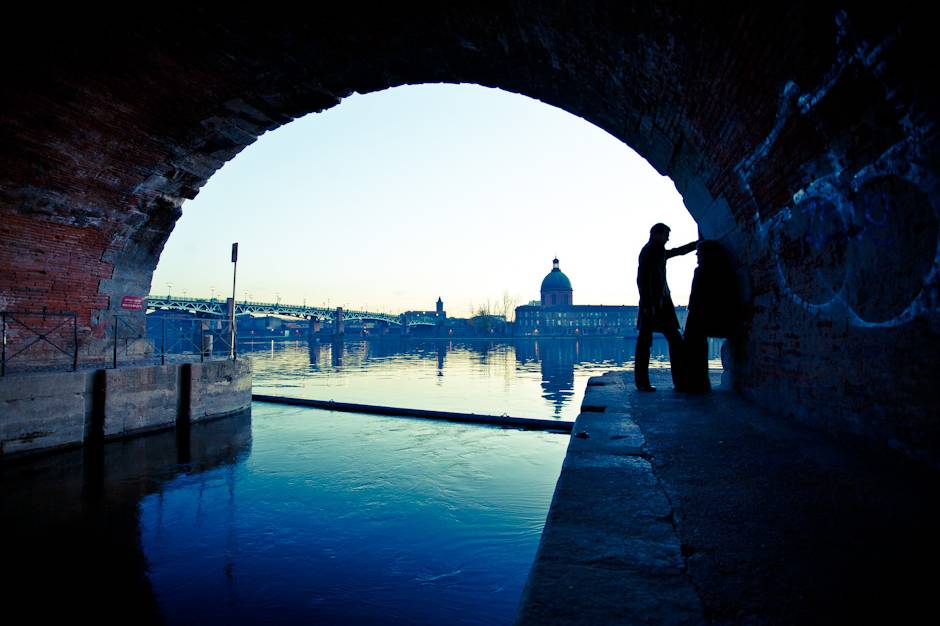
[556, 314]
[556, 288]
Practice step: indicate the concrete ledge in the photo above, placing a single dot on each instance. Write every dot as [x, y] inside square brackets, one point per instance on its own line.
[609, 552]
[48, 411]
[218, 388]
[43, 411]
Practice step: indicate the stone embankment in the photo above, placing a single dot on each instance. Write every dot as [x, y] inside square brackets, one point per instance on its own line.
[689, 509]
[50, 411]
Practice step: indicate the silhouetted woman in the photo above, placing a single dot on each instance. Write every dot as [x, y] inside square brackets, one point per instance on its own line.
[713, 312]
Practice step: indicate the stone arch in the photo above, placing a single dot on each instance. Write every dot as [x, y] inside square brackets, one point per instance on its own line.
[758, 116]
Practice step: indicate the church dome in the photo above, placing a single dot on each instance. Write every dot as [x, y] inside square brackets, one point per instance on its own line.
[556, 280]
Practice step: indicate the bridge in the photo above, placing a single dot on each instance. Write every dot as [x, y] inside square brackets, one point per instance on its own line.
[217, 307]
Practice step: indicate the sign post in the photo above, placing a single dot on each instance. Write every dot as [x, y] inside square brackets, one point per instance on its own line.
[232, 352]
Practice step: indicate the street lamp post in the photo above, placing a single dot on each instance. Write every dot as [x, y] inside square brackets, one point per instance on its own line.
[232, 351]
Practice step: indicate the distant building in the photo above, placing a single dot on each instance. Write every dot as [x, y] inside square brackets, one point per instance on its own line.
[556, 288]
[438, 314]
[584, 319]
[556, 314]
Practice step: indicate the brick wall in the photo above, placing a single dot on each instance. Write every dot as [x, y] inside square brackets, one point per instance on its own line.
[51, 265]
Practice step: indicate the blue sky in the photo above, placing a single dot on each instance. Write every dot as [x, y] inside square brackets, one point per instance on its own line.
[394, 198]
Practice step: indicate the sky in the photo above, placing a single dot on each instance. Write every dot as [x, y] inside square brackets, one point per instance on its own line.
[394, 198]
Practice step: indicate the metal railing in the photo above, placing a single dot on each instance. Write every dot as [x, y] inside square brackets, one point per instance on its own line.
[41, 340]
[173, 338]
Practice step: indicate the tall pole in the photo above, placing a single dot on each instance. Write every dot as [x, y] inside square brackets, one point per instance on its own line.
[232, 353]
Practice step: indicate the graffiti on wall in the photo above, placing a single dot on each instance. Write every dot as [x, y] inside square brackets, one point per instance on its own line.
[862, 238]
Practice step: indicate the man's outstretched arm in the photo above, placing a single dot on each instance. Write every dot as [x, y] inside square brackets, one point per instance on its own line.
[689, 247]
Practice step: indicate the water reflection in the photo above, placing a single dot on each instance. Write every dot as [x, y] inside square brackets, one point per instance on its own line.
[288, 515]
[349, 519]
[522, 377]
[336, 353]
[71, 525]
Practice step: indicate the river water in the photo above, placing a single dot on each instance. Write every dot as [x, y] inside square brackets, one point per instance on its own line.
[287, 515]
[543, 378]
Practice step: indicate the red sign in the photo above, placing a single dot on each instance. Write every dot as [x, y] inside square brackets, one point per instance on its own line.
[133, 303]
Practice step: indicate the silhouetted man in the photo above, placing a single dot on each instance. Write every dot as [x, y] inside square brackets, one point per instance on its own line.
[657, 313]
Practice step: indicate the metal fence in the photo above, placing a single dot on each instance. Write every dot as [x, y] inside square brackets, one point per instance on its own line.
[173, 338]
[42, 341]
[38, 340]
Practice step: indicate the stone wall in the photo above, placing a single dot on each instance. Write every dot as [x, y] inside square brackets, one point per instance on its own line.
[801, 135]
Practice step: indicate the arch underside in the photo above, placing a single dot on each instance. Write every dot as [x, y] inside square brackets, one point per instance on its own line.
[799, 136]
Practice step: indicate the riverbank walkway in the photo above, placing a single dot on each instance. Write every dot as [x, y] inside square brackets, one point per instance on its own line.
[704, 509]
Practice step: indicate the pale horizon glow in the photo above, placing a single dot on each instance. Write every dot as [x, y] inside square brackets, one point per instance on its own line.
[394, 198]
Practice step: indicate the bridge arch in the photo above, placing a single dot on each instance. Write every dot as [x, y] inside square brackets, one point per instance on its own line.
[798, 135]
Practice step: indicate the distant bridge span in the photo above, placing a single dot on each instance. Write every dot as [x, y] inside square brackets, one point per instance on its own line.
[214, 306]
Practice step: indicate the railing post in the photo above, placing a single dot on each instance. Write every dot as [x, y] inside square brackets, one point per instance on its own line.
[3, 359]
[115, 340]
[162, 341]
[202, 341]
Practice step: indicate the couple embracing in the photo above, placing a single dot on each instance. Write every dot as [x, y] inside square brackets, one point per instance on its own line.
[711, 310]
